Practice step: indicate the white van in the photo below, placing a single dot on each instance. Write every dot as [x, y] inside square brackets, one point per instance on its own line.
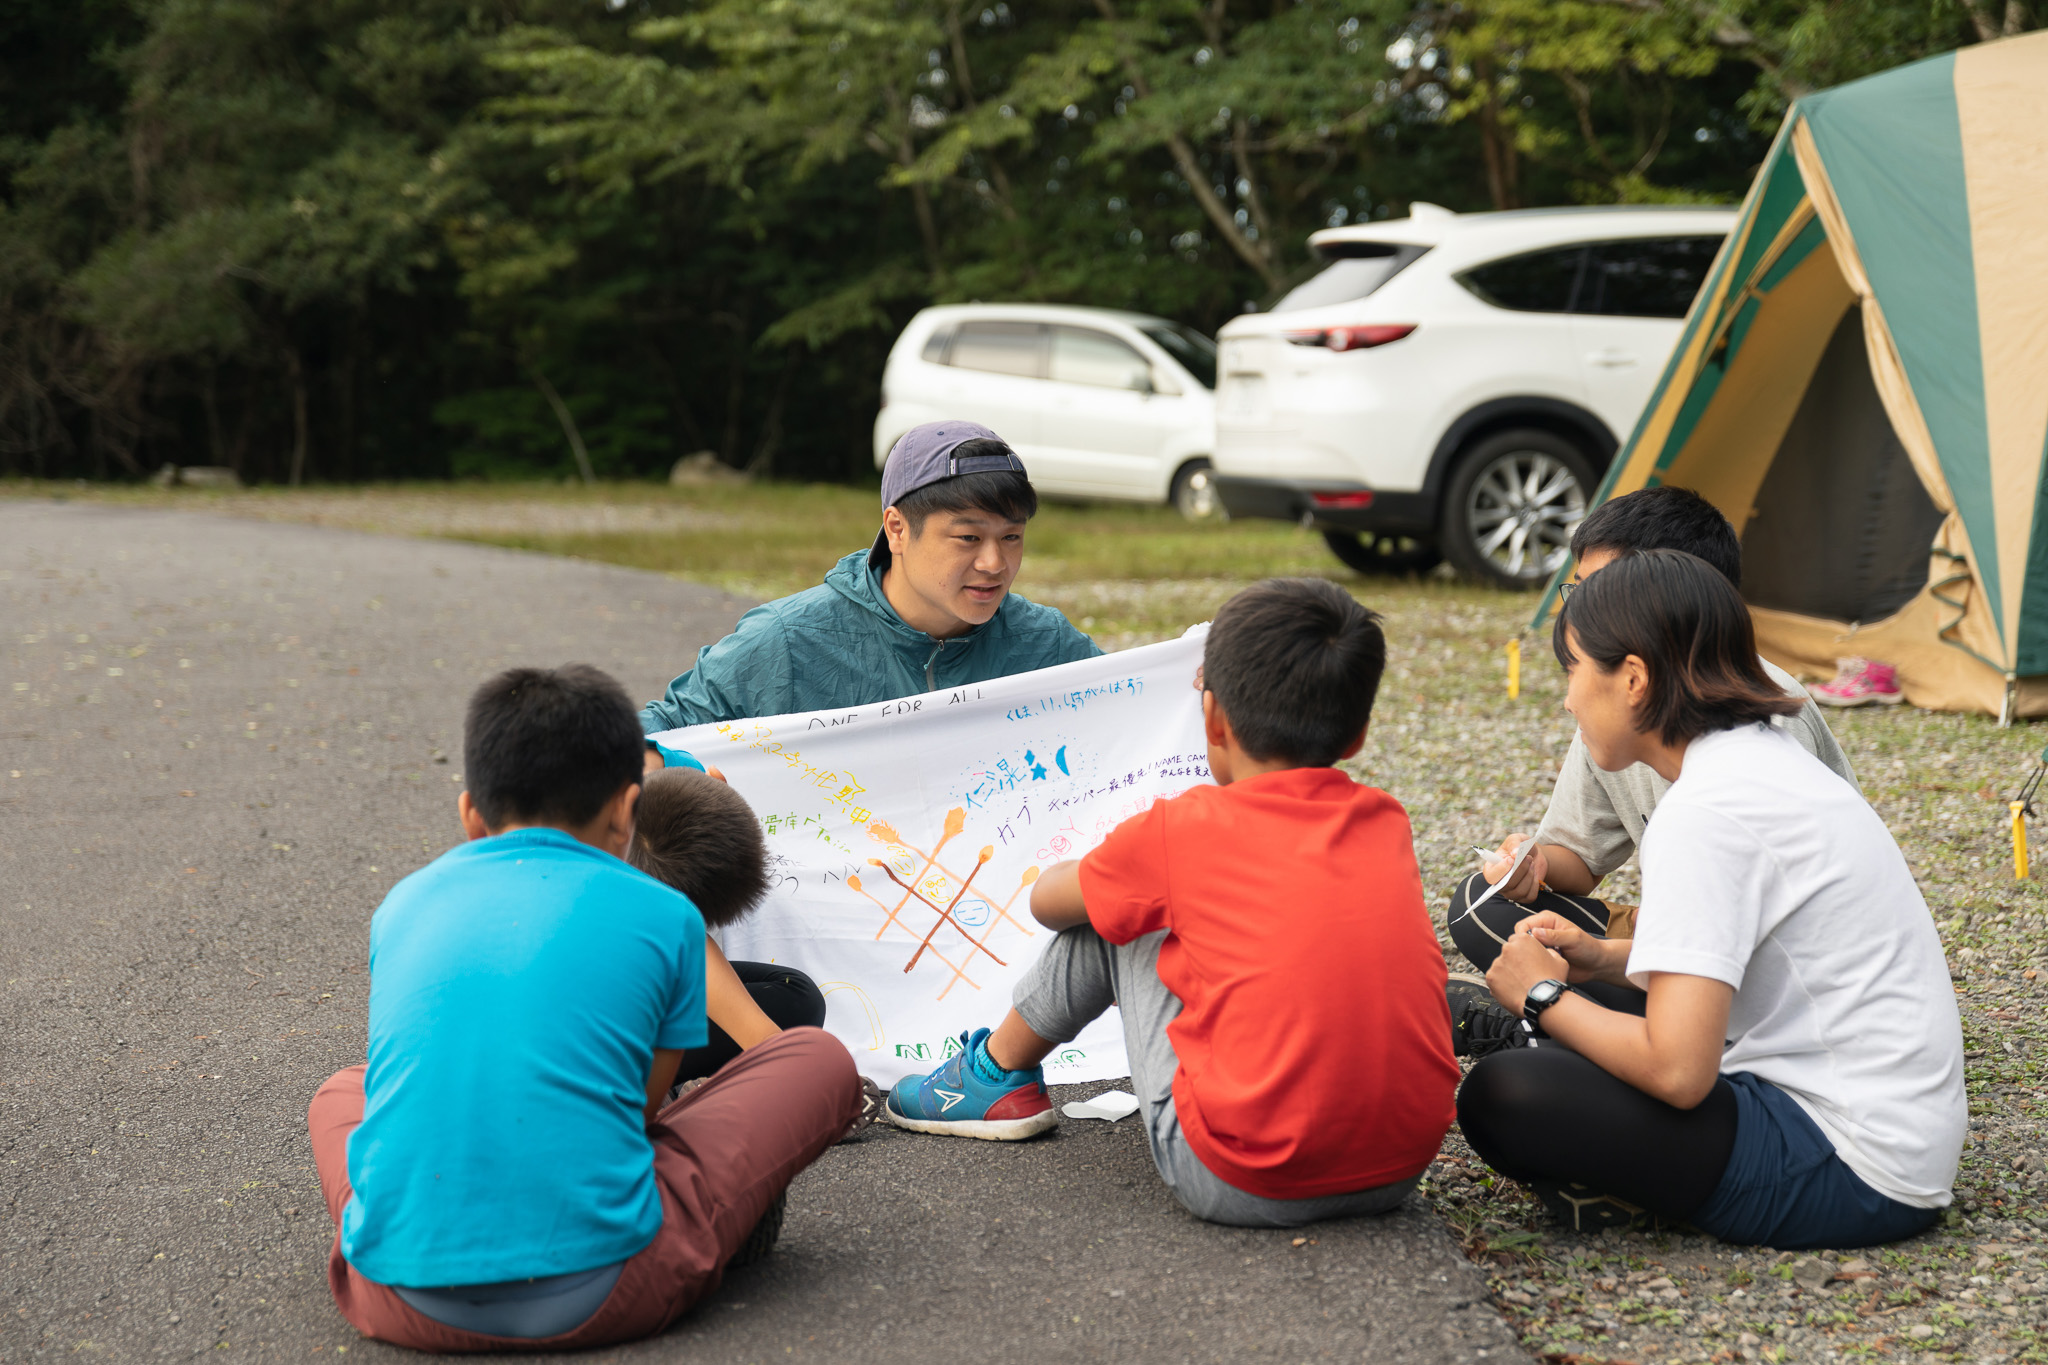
[1456, 384]
[1099, 403]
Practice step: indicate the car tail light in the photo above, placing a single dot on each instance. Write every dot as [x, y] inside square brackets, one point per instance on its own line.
[1351, 497]
[1353, 338]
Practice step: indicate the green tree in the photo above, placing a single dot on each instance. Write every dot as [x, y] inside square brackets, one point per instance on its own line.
[343, 238]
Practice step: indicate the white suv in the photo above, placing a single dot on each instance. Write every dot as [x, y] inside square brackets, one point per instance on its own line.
[1100, 404]
[1453, 385]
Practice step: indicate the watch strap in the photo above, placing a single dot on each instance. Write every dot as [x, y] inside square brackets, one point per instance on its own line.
[1533, 1007]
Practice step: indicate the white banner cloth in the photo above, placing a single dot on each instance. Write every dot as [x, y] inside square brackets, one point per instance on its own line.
[904, 836]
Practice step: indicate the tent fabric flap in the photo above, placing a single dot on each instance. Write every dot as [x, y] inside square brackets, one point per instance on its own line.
[1890, 152]
[2001, 93]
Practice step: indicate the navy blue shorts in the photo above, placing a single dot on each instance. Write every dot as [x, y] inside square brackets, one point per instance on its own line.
[1784, 1186]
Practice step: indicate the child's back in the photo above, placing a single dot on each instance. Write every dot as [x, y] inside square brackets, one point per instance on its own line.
[1314, 1042]
[518, 988]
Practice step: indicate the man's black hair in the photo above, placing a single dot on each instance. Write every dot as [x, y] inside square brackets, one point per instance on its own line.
[1295, 663]
[1686, 622]
[698, 835]
[1000, 492]
[549, 746]
[1662, 518]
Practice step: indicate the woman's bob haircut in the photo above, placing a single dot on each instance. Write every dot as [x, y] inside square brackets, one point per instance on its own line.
[1688, 625]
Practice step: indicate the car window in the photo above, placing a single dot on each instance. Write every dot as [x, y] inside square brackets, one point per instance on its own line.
[1539, 282]
[1000, 348]
[1195, 352]
[1347, 279]
[1083, 356]
[935, 345]
[1654, 277]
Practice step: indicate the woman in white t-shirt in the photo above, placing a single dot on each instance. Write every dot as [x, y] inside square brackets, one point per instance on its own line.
[1796, 1078]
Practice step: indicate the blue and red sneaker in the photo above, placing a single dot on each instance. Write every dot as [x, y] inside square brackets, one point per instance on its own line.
[959, 1100]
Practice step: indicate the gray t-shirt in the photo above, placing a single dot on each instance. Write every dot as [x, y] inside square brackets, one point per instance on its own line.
[1600, 815]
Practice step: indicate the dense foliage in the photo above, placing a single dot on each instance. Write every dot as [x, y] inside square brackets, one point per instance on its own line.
[341, 239]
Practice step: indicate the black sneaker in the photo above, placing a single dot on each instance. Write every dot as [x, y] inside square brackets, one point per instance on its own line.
[761, 1240]
[1583, 1208]
[1479, 1026]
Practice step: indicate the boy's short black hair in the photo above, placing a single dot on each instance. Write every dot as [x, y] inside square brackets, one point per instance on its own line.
[1000, 492]
[1295, 663]
[549, 746]
[1662, 518]
[698, 835]
[1688, 625]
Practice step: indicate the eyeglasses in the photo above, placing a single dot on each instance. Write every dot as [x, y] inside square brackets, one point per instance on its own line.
[1564, 589]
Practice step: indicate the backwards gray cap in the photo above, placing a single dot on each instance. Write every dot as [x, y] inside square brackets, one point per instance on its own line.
[927, 454]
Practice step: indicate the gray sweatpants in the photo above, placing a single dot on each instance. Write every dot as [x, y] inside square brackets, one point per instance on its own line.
[1080, 975]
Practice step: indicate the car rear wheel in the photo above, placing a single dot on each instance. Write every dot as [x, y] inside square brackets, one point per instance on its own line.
[1194, 492]
[1377, 555]
[1513, 503]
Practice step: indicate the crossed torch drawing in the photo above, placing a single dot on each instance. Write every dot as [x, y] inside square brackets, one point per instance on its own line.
[956, 822]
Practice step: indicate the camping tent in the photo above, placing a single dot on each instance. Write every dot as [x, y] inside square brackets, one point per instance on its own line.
[1862, 383]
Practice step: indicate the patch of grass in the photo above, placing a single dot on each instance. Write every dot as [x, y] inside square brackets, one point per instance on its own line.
[1127, 574]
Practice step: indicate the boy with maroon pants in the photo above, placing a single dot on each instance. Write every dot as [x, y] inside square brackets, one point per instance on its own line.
[503, 1175]
[1280, 983]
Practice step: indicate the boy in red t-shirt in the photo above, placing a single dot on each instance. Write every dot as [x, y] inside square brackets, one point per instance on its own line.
[1281, 986]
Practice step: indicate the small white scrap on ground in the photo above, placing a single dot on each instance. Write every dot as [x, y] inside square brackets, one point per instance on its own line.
[1110, 1104]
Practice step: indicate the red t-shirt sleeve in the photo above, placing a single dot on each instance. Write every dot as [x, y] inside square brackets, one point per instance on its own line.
[1123, 881]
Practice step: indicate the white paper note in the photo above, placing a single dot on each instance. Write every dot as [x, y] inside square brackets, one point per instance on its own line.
[1110, 1104]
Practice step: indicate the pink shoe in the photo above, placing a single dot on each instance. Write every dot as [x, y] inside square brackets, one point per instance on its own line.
[1860, 682]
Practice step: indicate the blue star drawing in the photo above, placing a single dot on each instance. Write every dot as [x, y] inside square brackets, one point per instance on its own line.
[1037, 768]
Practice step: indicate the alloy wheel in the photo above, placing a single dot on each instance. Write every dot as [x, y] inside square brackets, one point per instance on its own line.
[1521, 512]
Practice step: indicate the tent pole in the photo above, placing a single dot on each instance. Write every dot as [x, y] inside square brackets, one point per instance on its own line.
[2005, 709]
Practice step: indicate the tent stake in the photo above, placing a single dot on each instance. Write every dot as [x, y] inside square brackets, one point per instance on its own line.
[2021, 806]
[1514, 652]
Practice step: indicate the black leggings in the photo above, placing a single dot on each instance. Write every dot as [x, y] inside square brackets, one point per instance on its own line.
[1546, 1114]
[1480, 933]
[784, 994]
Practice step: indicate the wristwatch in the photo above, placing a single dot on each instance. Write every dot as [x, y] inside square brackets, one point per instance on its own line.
[1539, 998]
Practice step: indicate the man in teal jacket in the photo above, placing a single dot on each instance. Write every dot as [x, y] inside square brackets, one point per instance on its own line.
[928, 607]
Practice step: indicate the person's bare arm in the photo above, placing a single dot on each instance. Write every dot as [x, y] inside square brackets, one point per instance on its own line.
[1568, 871]
[1672, 1053]
[730, 1005]
[661, 1078]
[1056, 897]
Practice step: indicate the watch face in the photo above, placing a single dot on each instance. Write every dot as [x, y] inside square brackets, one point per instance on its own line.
[1544, 993]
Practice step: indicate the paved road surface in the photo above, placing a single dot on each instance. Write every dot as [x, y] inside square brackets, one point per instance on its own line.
[220, 742]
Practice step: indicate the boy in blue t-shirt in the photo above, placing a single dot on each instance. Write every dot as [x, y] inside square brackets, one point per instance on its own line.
[503, 1173]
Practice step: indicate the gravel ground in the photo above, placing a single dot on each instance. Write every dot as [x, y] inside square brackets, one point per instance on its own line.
[1472, 766]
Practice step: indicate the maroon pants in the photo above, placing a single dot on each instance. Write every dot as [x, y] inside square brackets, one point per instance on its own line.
[722, 1153]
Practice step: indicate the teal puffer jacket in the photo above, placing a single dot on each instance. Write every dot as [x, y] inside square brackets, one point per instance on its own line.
[842, 644]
